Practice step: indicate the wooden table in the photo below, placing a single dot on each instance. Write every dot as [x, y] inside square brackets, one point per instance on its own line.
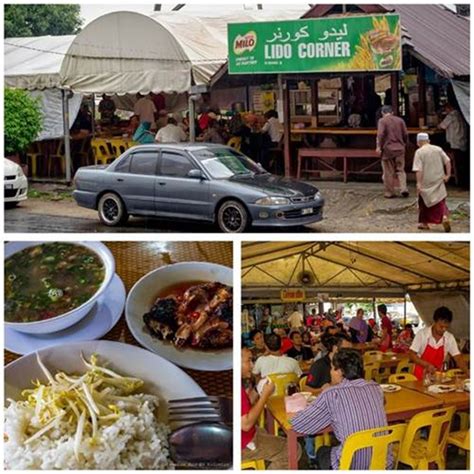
[326, 157]
[461, 400]
[392, 360]
[399, 406]
[134, 260]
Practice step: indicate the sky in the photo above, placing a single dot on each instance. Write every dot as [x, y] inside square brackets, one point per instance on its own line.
[91, 11]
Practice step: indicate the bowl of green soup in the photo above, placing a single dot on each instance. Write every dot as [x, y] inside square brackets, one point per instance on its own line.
[50, 286]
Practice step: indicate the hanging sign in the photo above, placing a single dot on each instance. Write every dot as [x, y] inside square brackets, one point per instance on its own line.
[292, 296]
[342, 44]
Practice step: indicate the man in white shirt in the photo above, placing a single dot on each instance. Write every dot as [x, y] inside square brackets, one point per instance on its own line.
[145, 109]
[295, 320]
[456, 130]
[275, 363]
[433, 169]
[171, 133]
[431, 345]
[456, 136]
[272, 127]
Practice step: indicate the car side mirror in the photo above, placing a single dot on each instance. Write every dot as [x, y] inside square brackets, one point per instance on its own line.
[195, 174]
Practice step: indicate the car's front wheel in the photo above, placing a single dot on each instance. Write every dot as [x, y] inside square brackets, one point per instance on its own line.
[232, 217]
[112, 211]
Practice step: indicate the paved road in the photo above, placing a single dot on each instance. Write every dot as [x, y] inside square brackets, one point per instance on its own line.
[19, 221]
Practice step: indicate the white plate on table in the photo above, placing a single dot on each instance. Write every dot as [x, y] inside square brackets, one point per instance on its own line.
[103, 316]
[440, 388]
[141, 299]
[390, 387]
[162, 378]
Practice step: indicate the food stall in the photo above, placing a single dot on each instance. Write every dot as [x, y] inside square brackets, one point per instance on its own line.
[338, 65]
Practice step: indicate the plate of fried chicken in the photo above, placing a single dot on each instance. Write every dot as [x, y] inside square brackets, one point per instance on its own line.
[184, 313]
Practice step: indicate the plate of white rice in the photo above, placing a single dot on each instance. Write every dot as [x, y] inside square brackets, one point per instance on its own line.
[135, 432]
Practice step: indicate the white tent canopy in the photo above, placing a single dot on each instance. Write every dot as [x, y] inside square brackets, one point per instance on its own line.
[35, 63]
[125, 52]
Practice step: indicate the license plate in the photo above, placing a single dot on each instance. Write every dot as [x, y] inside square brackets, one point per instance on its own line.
[307, 210]
[8, 186]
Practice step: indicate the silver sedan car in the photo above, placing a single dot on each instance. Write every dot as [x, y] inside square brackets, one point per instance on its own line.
[204, 182]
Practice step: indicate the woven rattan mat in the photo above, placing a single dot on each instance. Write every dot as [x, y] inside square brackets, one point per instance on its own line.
[135, 259]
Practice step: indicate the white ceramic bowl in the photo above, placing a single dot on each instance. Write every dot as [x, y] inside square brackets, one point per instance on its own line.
[160, 376]
[143, 295]
[65, 320]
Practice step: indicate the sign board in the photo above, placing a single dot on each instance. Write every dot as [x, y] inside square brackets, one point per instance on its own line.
[292, 296]
[339, 44]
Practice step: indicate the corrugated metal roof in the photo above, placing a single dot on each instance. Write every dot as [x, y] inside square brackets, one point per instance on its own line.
[440, 37]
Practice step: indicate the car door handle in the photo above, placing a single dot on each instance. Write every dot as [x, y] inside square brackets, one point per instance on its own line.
[162, 184]
[120, 179]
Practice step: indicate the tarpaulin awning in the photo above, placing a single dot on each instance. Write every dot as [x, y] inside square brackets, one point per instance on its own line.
[462, 90]
[356, 267]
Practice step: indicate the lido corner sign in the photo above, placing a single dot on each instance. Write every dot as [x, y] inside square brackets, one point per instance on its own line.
[343, 44]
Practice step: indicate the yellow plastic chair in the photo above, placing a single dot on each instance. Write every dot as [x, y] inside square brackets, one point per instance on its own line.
[417, 452]
[33, 154]
[58, 155]
[453, 372]
[303, 383]
[235, 142]
[371, 370]
[373, 354]
[394, 378]
[405, 367]
[101, 152]
[282, 381]
[462, 439]
[379, 439]
[257, 465]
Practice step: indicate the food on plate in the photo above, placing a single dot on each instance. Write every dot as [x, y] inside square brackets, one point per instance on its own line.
[47, 280]
[390, 388]
[97, 420]
[196, 314]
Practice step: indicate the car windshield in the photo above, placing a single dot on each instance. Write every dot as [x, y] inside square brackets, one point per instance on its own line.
[226, 163]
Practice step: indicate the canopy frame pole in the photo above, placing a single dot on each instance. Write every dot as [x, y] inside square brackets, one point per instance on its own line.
[374, 309]
[67, 137]
[192, 121]
[93, 114]
[404, 310]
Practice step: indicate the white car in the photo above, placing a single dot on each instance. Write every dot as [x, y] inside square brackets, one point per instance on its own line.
[15, 182]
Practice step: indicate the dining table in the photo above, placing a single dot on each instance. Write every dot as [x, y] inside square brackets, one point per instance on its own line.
[133, 260]
[399, 406]
[461, 400]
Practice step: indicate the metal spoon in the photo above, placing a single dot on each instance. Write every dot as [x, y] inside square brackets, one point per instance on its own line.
[203, 445]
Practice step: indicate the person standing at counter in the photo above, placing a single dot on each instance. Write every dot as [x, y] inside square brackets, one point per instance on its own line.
[432, 345]
[433, 169]
[145, 109]
[106, 110]
[392, 139]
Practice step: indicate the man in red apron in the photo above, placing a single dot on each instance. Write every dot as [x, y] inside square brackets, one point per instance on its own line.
[432, 345]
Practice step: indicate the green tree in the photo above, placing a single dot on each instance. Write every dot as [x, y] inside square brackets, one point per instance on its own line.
[41, 20]
[22, 120]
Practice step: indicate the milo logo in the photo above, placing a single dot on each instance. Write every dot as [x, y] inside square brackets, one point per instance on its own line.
[245, 42]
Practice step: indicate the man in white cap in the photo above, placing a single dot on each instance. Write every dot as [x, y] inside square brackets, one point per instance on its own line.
[433, 169]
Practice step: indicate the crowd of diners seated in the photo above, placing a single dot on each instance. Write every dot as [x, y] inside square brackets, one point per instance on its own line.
[329, 355]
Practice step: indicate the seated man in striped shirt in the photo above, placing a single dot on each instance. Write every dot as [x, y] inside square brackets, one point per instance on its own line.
[350, 405]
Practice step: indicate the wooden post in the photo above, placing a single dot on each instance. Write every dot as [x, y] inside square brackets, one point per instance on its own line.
[286, 127]
[421, 95]
[394, 91]
[314, 100]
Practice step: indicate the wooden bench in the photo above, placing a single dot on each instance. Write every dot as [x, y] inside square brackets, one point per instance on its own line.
[322, 155]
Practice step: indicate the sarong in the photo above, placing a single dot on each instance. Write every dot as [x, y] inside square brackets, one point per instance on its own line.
[433, 214]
